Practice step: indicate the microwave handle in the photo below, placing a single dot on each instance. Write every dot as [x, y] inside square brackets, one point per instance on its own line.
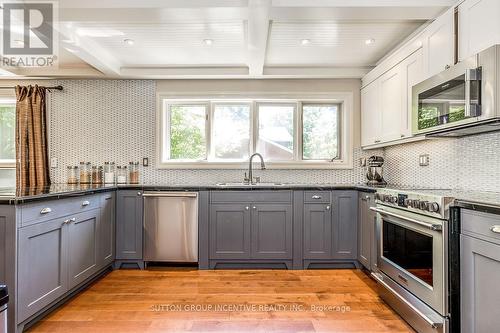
[472, 109]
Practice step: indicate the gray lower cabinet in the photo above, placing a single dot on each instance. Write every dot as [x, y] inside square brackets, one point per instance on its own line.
[229, 231]
[366, 230]
[106, 253]
[480, 273]
[83, 248]
[317, 243]
[42, 266]
[345, 217]
[129, 229]
[271, 231]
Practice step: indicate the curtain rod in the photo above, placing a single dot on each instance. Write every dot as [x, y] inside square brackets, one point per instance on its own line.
[50, 88]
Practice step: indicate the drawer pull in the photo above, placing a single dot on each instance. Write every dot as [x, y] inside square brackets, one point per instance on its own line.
[68, 221]
[85, 203]
[46, 210]
[247, 208]
[495, 229]
[316, 197]
[327, 207]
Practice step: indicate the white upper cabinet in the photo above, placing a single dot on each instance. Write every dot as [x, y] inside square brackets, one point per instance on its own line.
[391, 94]
[479, 26]
[413, 73]
[438, 44]
[371, 116]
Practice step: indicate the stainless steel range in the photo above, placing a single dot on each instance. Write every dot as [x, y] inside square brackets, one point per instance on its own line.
[413, 253]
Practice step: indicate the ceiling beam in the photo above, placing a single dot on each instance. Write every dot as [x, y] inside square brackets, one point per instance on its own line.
[150, 3]
[363, 3]
[183, 72]
[89, 51]
[316, 72]
[257, 35]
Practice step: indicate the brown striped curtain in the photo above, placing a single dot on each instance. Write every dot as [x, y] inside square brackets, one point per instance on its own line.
[32, 167]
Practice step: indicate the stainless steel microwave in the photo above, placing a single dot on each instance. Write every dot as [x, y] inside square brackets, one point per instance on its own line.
[461, 100]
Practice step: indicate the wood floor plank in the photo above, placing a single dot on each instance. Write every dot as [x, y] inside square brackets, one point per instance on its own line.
[226, 301]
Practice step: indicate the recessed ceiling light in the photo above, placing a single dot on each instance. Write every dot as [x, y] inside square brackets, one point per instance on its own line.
[305, 41]
[369, 41]
[128, 41]
[19, 42]
[208, 41]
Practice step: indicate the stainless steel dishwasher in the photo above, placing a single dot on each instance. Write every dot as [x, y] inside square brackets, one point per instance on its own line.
[171, 227]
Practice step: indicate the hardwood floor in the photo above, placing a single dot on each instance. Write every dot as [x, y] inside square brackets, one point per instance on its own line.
[226, 301]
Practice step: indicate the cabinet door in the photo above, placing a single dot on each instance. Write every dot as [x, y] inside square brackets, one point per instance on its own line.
[438, 44]
[392, 106]
[413, 73]
[364, 234]
[42, 266]
[83, 246]
[371, 116]
[129, 230]
[230, 231]
[479, 26]
[345, 221]
[107, 230]
[480, 273]
[271, 231]
[317, 231]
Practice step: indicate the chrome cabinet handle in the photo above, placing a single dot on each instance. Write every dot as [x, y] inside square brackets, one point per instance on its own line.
[316, 197]
[85, 203]
[254, 207]
[327, 207]
[107, 198]
[46, 210]
[68, 221]
[495, 229]
[139, 193]
[247, 208]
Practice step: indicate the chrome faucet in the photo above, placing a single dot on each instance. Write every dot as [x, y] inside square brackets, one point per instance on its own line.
[249, 180]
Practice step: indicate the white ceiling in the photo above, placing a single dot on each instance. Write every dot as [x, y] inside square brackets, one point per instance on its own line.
[251, 38]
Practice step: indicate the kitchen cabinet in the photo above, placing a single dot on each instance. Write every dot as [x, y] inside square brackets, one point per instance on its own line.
[371, 116]
[392, 104]
[317, 231]
[129, 229]
[438, 44]
[479, 26]
[480, 299]
[230, 231]
[345, 217]
[251, 225]
[83, 238]
[271, 231]
[106, 253]
[366, 231]
[412, 73]
[42, 266]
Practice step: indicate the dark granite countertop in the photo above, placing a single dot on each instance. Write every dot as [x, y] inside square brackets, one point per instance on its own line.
[57, 191]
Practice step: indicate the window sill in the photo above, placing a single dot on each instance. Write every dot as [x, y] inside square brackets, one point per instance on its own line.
[338, 164]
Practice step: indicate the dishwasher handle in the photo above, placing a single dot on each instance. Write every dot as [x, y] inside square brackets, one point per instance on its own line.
[171, 194]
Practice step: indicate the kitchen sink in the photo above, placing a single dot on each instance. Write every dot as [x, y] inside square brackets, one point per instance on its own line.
[248, 185]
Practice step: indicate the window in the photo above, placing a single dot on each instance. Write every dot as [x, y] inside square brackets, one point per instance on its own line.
[224, 133]
[275, 140]
[320, 131]
[7, 133]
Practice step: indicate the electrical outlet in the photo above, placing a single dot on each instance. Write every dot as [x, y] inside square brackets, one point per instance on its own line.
[53, 162]
[145, 161]
[423, 160]
[362, 162]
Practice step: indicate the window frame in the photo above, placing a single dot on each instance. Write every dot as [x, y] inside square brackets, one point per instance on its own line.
[345, 102]
[8, 163]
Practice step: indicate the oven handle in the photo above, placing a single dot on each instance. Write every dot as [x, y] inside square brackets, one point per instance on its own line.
[433, 227]
[429, 321]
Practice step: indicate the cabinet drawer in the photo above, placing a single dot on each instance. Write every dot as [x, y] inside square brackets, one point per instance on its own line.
[42, 211]
[251, 196]
[317, 196]
[480, 225]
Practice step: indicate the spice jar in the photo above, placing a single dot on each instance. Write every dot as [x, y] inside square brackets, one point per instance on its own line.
[109, 172]
[85, 170]
[97, 175]
[121, 175]
[72, 174]
[133, 172]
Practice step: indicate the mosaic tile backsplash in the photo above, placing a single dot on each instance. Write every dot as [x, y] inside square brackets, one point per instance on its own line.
[114, 120]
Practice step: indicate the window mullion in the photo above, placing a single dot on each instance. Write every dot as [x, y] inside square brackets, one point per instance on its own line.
[254, 127]
[210, 119]
[298, 133]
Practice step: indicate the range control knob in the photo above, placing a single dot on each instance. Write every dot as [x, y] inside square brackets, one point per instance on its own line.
[434, 207]
[424, 205]
[408, 202]
[394, 199]
[378, 196]
[415, 203]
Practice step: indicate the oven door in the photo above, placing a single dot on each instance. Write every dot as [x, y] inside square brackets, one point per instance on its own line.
[448, 99]
[411, 252]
